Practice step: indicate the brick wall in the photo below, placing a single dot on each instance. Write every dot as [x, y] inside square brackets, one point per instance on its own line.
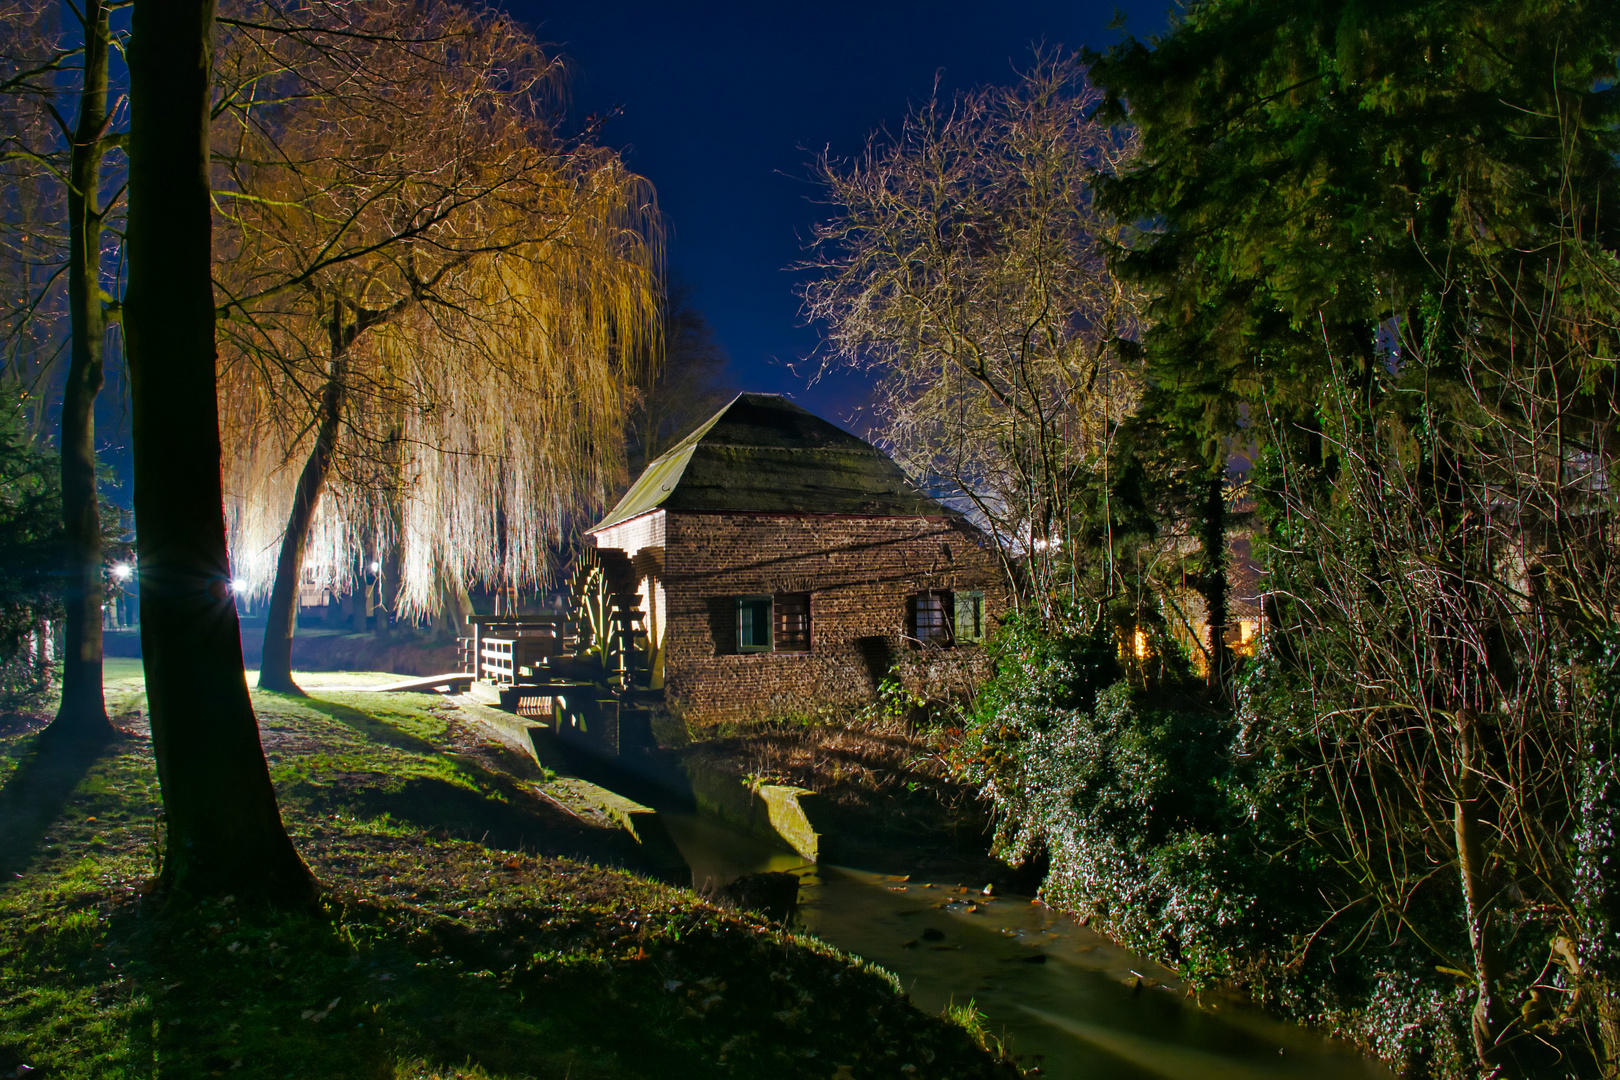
[858, 572]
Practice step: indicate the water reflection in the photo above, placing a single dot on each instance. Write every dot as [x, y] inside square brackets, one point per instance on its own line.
[1062, 997]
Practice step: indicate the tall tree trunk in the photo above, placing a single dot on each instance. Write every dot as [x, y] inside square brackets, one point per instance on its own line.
[225, 833]
[1214, 581]
[83, 712]
[281, 620]
[455, 608]
[360, 599]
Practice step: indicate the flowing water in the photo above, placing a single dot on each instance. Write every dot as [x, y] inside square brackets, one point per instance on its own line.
[1063, 997]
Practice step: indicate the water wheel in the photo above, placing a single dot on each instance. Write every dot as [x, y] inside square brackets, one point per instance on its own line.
[604, 609]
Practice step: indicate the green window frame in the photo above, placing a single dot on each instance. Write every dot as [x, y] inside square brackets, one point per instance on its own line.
[754, 632]
[969, 617]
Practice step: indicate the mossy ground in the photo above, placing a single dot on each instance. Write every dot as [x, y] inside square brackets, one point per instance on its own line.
[451, 939]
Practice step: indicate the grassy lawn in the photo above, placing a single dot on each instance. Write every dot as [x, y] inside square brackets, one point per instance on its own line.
[456, 936]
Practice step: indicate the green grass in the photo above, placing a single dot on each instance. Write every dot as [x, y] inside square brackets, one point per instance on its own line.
[431, 954]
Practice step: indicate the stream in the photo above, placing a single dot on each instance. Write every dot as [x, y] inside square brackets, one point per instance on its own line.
[1061, 996]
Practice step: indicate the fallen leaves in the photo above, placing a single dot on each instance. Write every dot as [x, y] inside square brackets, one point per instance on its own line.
[316, 1016]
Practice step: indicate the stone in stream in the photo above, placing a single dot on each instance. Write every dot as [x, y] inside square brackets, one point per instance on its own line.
[774, 894]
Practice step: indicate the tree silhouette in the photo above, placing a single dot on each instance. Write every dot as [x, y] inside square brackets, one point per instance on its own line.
[63, 176]
[225, 833]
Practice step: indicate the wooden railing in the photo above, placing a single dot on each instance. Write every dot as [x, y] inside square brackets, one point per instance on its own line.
[510, 649]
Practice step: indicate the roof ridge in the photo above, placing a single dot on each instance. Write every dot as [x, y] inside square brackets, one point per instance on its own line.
[786, 473]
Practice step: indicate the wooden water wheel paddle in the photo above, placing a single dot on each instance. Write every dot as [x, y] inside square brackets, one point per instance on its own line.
[605, 610]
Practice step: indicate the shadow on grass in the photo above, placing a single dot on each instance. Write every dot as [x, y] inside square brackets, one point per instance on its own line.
[367, 990]
[438, 805]
[388, 734]
[493, 808]
[370, 726]
[343, 994]
[36, 793]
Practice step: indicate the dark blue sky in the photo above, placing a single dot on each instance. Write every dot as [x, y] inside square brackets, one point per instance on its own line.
[723, 106]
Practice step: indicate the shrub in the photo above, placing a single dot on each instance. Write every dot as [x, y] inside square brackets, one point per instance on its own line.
[30, 547]
[1204, 838]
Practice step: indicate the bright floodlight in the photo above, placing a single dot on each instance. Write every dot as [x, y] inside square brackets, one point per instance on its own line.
[238, 585]
[122, 571]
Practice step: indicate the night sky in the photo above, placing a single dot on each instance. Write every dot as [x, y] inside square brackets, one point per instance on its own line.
[724, 105]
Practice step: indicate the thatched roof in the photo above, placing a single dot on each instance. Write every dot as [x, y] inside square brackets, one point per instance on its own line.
[763, 453]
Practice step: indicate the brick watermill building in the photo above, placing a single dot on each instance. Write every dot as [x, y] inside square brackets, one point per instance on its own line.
[770, 564]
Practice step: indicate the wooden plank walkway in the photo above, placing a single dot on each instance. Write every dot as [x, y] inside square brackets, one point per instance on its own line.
[456, 682]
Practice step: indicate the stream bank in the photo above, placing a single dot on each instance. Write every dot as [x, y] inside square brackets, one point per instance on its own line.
[444, 945]
[902, 881]
[1062, 998]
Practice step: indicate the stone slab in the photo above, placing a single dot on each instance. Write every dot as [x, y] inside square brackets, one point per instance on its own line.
[788, 810]
[597, 805]
[453, 682]
[587, 802]
[518, 732]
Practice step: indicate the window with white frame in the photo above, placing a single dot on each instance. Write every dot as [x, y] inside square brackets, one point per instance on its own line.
[929, 617]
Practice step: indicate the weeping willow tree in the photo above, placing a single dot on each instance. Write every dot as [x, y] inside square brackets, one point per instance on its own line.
[429, 300]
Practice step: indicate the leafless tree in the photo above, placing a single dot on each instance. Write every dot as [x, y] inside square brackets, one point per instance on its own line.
[37, 62]
[1437, 594]
[963, 265]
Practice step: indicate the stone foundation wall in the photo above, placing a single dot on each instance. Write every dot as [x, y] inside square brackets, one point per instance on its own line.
[859, 573]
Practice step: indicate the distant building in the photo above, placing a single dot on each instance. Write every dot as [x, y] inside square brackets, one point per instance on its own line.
[784, 565]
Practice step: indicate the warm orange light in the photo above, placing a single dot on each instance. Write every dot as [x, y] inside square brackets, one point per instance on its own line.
[1141, 644]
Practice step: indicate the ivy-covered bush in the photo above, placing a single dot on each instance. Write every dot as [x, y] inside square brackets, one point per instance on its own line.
[1123, 785]
[1197, 834]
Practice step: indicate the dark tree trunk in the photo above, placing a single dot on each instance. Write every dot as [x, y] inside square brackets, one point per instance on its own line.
[281, 620]
[83, 712]
[455, 608]
[225, 833]
[360, 599]
[1214, 583]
